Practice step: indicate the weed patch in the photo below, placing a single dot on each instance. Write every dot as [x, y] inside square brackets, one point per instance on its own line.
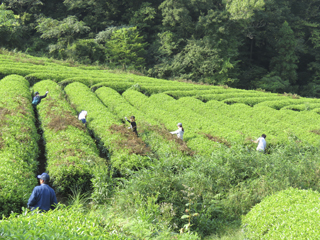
[130, 141]
[60, 121]
[161, 130]
[217, 139]
[316, 131]
[3, 112]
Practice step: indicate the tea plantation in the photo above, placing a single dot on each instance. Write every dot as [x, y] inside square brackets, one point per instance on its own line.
[112, 184]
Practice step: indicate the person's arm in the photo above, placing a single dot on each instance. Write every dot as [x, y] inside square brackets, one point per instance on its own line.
[127, 120]
[175, 132]
[256, 140]
[33, 198]
[44, 95]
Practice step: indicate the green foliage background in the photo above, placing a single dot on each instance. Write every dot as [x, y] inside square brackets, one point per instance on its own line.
[268, 44]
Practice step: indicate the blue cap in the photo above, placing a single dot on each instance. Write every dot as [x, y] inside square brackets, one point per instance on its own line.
[44, 176]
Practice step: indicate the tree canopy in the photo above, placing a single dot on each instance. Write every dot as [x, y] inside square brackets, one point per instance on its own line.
[269, 44]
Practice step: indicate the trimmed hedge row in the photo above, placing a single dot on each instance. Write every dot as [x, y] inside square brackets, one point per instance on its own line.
[224, 96]
[94, 83]
[6, 71]
[56, 76]
[252, 101]
[100, 120]
[302, 107]
[117, 86]
[278, 104]
[151, 89]
[158, 138]
[179, 94]
[63, 223]
[195, 120]
[71, 152]
[289, 214]
[237, 118]
[191, 122]
[18, 144]
[279, 126]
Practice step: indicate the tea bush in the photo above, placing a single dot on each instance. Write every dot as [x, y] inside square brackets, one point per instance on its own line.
[123, 155]
[283, 103]
[252, 101]
[61, 223]
[158, 138]
[223, 96]
[71, 152]
[225, 186]
[302, 107]
[117, 86]
[195, 142]
[289, 214]
[190, 93]
[18, 144]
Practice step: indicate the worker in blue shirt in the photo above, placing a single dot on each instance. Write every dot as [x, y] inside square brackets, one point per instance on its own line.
[37, 99]
[43, 197]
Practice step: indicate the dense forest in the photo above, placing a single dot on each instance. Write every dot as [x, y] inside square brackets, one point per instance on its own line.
[255, 44]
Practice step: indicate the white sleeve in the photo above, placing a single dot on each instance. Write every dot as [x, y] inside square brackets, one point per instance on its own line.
[175, 132]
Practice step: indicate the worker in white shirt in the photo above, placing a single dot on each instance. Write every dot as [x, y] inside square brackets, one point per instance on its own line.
[262, 144]
[82, 116]
[179, 132]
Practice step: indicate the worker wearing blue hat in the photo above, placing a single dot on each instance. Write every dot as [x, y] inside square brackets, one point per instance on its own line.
[43, 197]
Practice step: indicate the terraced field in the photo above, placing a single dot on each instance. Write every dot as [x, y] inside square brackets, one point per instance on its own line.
[214, 117]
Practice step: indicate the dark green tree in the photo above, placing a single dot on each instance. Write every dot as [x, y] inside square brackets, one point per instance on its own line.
[284, 64]
[126, 48]
[64, 32]
[10, 28]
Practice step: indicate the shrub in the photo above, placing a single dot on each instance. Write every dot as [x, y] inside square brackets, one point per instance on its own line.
[251, 101]
[278, 104]
[86, 51]
[61, 223]
[71, 152]
[6, 70]
[168, 114]
[125, 150]
[117, 86]
[289, 214]
[18, 144]
[157, 137]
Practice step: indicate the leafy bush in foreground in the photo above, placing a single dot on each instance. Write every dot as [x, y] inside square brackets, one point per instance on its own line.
[225, 186]
[289, 214]
[61, 224]
[18, 144]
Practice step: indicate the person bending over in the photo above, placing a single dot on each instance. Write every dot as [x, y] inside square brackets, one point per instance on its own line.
[262, 144]
[179, 132]
[82, 116]
[133, 124]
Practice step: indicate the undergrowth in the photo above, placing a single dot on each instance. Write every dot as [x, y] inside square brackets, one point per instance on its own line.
[130, 141]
